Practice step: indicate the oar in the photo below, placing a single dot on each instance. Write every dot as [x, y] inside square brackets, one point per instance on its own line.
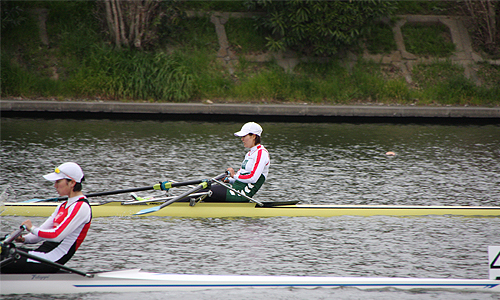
[145, 188]
[139, 200]
[202, 185]
[53, 264]
[10, 237]
[14, 254]
[159, 186]
[227, 186]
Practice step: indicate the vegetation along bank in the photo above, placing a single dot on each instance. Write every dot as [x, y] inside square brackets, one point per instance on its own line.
[254, 51]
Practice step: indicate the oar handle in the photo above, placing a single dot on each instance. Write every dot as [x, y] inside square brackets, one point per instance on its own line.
[11, 237]
[165, 185]
[202, 185]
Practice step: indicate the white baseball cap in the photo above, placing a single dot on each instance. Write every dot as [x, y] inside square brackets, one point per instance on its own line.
[250, 127]
[69, 170]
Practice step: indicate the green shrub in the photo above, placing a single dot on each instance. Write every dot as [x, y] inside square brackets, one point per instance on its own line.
[380, 39]
[244, 36]
[192, 33]
[318, 27]
[425, 7]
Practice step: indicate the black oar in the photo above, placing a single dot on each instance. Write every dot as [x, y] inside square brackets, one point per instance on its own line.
[203, 185]
[51, 263]
[145, 188]
[159, 186]
[14, 254]
[11, 237]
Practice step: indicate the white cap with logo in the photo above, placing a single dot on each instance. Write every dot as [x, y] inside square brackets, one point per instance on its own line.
[69, 170]
[250, 127]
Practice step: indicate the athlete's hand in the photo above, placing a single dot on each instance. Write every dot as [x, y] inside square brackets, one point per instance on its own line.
[28, 224]
[231, 171]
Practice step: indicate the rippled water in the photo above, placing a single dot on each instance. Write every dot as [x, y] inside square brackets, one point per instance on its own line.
[318, 163]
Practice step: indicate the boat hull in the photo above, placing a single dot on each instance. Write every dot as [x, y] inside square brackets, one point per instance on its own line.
[230, 210]
[138, 281]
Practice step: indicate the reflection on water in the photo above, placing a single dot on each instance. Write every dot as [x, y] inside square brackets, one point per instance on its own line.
[318, 163]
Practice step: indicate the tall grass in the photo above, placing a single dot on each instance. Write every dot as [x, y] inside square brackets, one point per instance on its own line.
[321, 83]
[16, 81]
[445, 83]
[134, 75]
[431, 40]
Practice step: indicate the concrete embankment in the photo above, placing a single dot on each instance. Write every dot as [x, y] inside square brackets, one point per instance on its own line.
[242, 112]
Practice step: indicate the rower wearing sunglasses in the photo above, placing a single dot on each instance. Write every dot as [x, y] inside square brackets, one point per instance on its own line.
[64, 231]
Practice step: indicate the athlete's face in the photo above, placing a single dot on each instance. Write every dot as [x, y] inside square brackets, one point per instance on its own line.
[248, 140]
[64, 186]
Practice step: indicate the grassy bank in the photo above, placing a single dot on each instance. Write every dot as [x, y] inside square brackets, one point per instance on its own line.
[80, 64]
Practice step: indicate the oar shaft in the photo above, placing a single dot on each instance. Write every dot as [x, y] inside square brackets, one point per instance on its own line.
[145, 188]
[202, 185]
[176, 184]
[51, 263]
[11, 237]
[227, 186]
[183, 195]
[161, 186]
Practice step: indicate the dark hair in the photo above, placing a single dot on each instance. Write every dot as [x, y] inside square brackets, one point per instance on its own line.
[78, 185]
[257, 138]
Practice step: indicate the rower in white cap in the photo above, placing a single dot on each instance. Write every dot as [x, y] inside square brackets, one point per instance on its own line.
[254, 168]
[64, 231]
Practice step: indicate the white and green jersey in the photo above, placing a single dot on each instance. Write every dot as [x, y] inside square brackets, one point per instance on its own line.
[253, 173]
[255, 164]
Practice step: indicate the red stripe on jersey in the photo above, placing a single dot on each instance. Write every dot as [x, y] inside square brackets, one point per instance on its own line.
[82, 235]
[247, 176]
[61, 221]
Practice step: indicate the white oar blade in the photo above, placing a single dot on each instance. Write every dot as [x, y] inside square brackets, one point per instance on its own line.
[34, 200]
[148, 211]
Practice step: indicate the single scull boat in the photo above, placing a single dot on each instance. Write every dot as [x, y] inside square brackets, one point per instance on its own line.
[74, 281]
[252, 210]
[138, 281]
[197, 208]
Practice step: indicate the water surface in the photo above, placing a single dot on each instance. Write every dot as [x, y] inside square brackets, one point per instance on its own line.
[317, 163]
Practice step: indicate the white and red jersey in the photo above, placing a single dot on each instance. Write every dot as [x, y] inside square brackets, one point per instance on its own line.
[255, 164]
[63, 231]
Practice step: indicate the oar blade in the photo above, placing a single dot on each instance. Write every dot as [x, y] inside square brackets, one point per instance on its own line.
[148, 211]
[35, 200]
